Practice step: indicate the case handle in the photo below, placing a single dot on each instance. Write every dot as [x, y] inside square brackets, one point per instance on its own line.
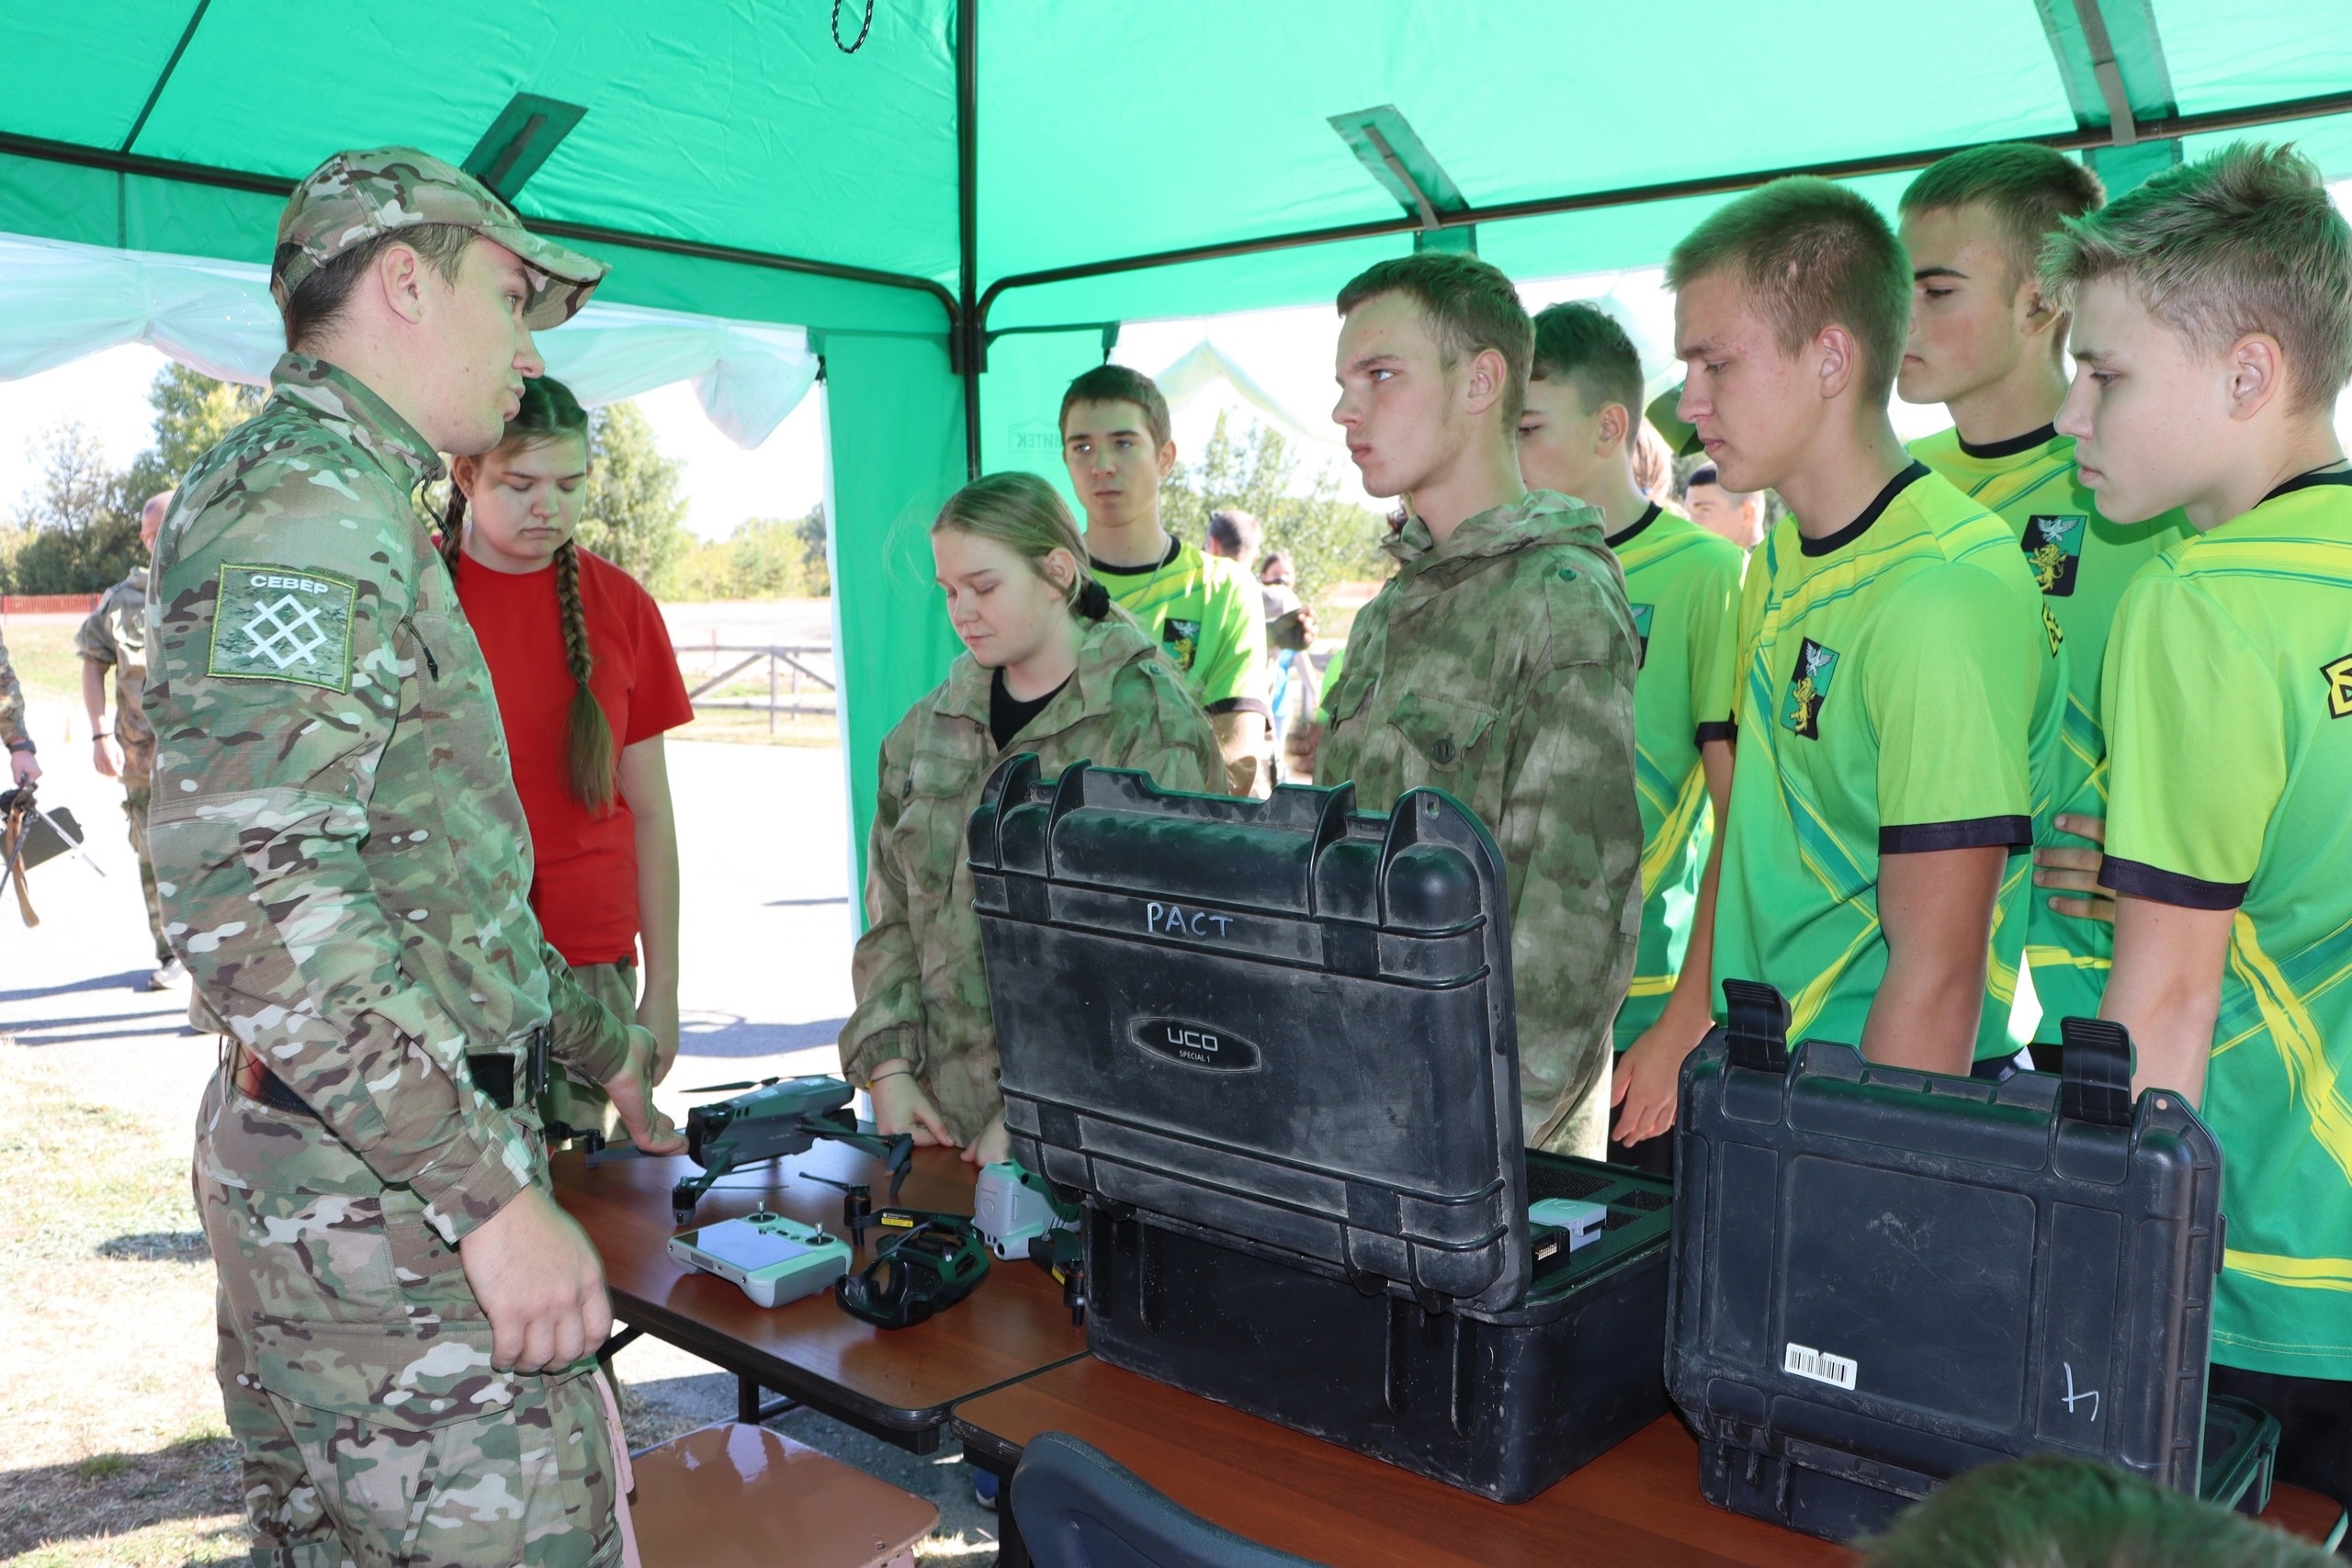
[2096, 1070]
[1756, 1026]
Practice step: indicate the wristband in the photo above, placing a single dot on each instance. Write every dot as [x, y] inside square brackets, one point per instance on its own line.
[892, 1073]
[27, 747]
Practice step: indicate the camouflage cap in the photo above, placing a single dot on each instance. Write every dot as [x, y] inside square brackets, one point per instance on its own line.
[354, 196]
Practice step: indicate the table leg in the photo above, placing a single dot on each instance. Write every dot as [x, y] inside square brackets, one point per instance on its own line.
[1012, 1551]
[750, 1409]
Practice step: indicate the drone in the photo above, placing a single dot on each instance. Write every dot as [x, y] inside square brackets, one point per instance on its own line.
[778, 1117]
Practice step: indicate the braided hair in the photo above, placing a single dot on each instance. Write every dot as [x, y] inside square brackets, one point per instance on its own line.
[550, 412]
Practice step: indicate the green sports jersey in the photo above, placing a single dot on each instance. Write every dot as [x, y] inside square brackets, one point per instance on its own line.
[2081, 561]
[1683, 584]
[1207, 618]
[2229, 718]
[1900, 690]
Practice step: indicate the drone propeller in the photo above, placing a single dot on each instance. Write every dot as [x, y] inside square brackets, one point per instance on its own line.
[729, 1088]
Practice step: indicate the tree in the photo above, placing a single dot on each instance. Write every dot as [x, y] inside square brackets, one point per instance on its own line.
[1329, 541]
[634, 515]
[78, 532]
[73, 532]
[764, 557]
[194, 413]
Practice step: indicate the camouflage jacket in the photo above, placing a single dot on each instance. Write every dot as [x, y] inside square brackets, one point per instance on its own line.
[115, 634]
[343, 863]
[921, 993]
[12, 707]
[1500, 667]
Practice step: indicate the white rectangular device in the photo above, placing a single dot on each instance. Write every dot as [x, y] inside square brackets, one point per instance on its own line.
[770, 1258]
[1582, 1221]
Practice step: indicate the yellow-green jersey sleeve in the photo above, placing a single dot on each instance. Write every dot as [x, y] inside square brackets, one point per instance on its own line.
[1713, 633]
[2197, 748]
[1229, 672]
[1949, 686]
[1332, 673]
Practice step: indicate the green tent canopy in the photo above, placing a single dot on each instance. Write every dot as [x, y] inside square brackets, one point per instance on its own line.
[961, 200]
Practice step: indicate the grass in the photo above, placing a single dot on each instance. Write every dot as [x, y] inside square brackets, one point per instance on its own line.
[110, 1418]
[41, 649]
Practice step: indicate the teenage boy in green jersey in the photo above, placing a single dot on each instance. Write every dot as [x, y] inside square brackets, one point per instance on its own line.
[2212, 332]
[1499, 664]
[1986, 344]
[1207, 615]
[1576, 438]
[1896, 664]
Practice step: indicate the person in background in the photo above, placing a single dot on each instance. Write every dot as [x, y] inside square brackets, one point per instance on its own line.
[1051, 666]
[1203, 612]
[2058, 1511]
[1497, 664]
[1988, 344]
[587, 686]
[1236, 537]
[1652, 461]
[114, 637]
[1737, 515]
[1901, 684]
[2212, 335]
[24, 767]
[1576, 438]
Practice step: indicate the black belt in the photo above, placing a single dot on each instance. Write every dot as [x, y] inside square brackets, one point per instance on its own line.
[492, 1072]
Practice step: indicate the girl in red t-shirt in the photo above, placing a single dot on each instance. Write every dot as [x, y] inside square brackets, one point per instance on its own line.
[586, 685]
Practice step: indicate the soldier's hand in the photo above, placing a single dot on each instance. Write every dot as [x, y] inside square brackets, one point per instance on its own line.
[25, 767]
[901, 1106]
[1298, 751]
[102, 756]
[540, 1283]
[2072, 870]
[631, 1090]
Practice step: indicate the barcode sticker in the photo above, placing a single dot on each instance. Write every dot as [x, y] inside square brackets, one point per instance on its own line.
[1804, 1362]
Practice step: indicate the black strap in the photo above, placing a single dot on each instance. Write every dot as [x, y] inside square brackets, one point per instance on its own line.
[1756, 1026]
[2097, 1070]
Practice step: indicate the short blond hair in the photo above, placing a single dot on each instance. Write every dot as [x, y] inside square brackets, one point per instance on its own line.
[1811, 252]
[2246, 241]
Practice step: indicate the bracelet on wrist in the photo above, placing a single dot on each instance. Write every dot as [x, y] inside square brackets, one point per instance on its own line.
[889, 1072]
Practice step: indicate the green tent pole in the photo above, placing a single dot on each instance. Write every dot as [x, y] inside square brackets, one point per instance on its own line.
[894, 427]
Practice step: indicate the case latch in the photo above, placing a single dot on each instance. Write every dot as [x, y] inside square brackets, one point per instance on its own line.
[1756, 1026]
[2097, 1071]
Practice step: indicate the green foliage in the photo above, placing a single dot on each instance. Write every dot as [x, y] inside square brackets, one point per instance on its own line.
[1331, 541]
[764, 557]
[78, 531]
[634, 515]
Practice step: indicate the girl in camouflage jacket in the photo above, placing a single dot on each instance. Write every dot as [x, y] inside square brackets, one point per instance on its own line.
[1052, 667]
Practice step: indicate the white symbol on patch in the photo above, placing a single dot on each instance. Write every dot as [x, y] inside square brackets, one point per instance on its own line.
[2073, 1398]
[287, 633]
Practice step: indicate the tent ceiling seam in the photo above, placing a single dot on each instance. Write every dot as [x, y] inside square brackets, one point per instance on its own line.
[82, 156]
[1405, 176]
[2172, 126]
[155, 93]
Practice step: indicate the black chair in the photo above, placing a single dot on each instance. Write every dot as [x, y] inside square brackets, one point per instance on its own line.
[1078, 1509]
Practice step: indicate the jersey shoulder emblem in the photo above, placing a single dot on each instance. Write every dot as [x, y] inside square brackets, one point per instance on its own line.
[1182, 640]
[1808, 689]
[2053, 543]
[278, 623]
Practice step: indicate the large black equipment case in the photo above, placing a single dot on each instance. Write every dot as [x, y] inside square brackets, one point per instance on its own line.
[1272, 1043]
[1885, 1277]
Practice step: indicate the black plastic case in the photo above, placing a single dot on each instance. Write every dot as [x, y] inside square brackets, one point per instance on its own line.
[1884, 1276]
[1273, 1042]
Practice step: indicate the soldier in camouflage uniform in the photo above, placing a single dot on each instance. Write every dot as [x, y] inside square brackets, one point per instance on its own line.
[114, 637]
[922, 1038]
[1497, 664]
[23, 766]
[407, 1322]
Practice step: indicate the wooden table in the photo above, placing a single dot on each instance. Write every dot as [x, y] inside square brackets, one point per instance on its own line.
[896, 1384]
[1637, 1503]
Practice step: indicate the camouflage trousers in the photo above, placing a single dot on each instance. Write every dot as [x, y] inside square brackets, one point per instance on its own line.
[355, 1368]
[138, 777]
[574, 1102]
[1581, 1127]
